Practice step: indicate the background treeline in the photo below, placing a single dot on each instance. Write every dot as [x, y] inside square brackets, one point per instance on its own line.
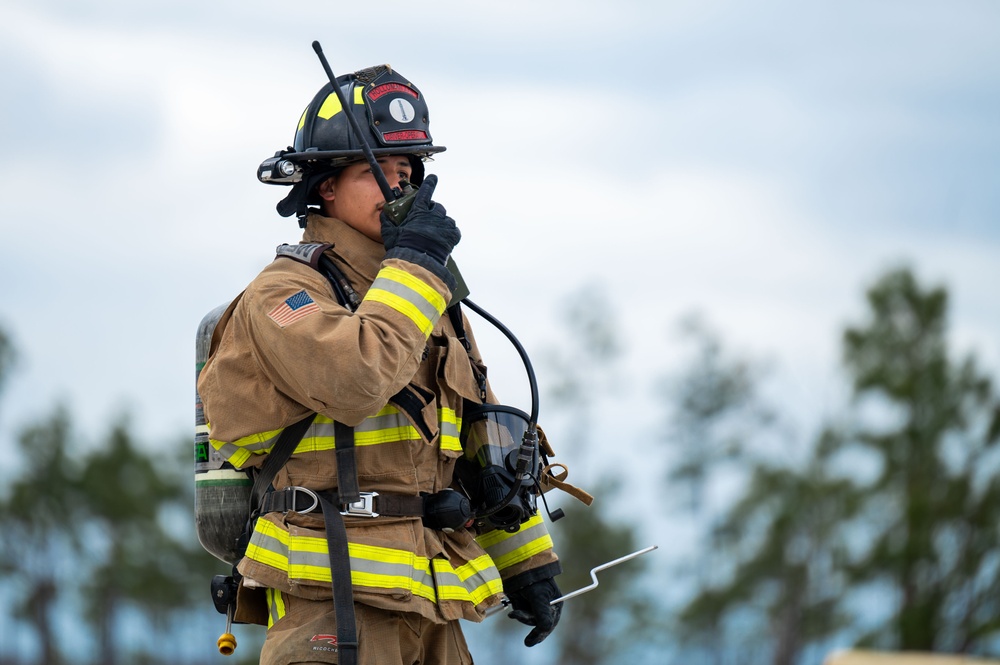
[878, 529]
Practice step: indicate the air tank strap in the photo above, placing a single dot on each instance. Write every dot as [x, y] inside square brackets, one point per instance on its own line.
[347, 468]
[276, 459]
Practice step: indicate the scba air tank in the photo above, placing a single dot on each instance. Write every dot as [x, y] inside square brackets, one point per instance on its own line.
[221, 492]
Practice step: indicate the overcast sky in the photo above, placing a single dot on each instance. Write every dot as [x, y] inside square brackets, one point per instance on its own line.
[759, 162]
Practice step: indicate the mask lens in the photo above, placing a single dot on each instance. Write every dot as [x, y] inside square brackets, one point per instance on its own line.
[491, 433]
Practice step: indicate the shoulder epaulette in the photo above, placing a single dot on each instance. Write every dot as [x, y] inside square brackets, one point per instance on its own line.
[307, 253]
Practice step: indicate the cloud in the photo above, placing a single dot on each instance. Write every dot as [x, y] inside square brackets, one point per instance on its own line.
[760, 163]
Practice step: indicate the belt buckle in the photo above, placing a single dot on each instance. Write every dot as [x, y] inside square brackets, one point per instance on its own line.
[308, 492]
[364, 507]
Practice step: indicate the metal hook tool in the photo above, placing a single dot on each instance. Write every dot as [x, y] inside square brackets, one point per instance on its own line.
[597, 569]
[590, 587]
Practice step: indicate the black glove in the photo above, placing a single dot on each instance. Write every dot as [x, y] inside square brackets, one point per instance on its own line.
[426, 228]
[531, 607]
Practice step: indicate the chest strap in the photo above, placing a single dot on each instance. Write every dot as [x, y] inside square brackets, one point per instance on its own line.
[369, 504]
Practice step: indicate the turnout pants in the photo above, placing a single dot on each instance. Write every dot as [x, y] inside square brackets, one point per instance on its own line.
[305, 633]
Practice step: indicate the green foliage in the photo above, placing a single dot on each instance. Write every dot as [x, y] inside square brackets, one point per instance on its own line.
[901, 499]
[7, 356]
[781, 550]
[583, 368]
[716, 411]
[765, 585]
[38, 518]
[600, 625]
[103, 537]
[139, 560]
[935, 497]
[597, 626]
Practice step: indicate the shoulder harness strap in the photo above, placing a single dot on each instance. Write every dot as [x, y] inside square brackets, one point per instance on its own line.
[313, 255]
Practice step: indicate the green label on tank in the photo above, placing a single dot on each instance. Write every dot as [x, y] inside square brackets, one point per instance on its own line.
[200, 451]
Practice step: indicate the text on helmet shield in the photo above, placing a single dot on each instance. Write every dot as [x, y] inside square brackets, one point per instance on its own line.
[405, 135]
[384, 89]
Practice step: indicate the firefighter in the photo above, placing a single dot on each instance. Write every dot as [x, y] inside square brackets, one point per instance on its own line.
[349, 338]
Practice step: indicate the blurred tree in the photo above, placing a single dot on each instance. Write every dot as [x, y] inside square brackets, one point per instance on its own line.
[39, 518]
[779, 554]
[7, 356]
[716, 411]
[584, 367]
[901, 503]
[600, 626]
[100, 540]
[618, 617]
[104, 542]
[753, 580]
[138, 562]
[932, 425]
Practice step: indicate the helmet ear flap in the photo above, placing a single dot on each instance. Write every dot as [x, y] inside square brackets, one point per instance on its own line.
[304, 194]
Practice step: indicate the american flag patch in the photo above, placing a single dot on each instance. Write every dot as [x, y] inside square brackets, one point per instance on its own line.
[294, 308]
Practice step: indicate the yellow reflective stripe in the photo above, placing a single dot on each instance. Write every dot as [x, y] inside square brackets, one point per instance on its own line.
[404, 307]
[435, 299]
[387, 426]
[507, 549]
[302, 120]
[492, 538]
[474, 581]
[407, 433]
[238, 452]
[450, 425]
[233, 455]
[331, 106]
[358, 99]
[307, 558]
[408, 295]
[275, 606]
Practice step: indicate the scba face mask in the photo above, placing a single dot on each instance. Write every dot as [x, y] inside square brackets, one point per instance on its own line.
[500, 467]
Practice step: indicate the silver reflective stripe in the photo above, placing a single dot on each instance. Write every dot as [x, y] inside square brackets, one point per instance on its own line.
[410, 295]
[449, 428]
[508, 549]
[307, 558]
[383, 422]
[477, 586]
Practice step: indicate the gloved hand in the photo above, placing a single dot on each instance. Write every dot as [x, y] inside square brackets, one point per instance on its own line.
[531, 607]
[426, 228]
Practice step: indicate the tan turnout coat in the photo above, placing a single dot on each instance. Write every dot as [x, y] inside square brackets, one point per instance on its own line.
[278, 355]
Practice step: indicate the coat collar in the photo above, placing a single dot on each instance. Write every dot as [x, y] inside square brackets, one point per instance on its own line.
[356, 254]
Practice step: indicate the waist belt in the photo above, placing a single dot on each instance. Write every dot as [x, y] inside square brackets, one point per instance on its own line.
[371, 504]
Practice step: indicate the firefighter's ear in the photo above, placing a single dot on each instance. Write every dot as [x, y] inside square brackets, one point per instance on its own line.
[325, 189]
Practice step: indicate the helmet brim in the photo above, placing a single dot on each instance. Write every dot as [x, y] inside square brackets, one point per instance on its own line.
[334, 158]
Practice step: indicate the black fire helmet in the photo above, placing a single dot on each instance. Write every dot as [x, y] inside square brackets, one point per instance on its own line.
[390, 110]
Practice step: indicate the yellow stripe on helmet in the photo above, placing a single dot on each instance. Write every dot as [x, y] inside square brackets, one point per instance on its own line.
[331, 106]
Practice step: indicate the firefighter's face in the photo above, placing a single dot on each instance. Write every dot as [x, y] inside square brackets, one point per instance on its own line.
[353, 196]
